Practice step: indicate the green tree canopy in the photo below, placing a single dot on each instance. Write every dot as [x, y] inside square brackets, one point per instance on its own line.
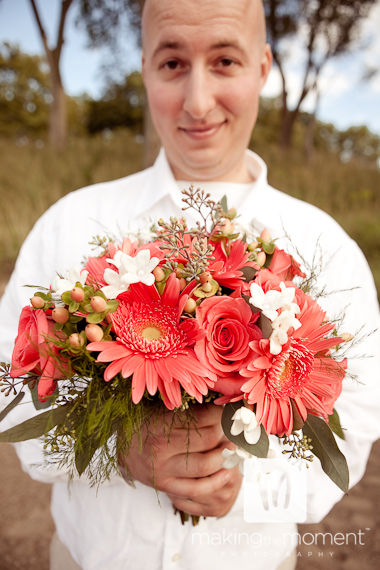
[24, 92]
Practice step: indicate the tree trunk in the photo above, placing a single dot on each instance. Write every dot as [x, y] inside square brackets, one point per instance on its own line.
[58, 113]
[288, 122]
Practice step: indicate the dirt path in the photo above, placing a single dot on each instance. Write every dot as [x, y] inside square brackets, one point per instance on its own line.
[26, 525]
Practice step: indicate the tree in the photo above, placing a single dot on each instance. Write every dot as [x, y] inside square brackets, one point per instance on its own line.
[326, 28]
[24, 92]
[122, 105]
[58, 112]
[101, 19]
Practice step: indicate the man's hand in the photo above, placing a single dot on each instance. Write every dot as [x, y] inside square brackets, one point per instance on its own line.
[186, 463]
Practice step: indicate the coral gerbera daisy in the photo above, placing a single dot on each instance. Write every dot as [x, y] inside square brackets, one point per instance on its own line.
[302, 378]
[154, 347]
[229, 260]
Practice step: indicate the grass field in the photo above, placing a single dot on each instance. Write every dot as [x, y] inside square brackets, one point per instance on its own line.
[32, 177]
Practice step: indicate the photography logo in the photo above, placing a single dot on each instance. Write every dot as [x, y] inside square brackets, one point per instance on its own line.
[274, 491]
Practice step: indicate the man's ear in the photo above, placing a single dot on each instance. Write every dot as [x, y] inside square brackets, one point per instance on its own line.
[266, 64]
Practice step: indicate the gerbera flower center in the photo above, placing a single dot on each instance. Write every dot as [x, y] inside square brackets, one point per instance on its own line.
[152, 328]
[151, 333]
[290, 371]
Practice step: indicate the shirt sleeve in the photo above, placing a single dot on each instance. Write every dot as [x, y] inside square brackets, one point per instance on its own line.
[352, 299]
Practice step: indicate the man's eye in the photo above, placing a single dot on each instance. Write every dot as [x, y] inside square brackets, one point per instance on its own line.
[171, 64]
[226, 62]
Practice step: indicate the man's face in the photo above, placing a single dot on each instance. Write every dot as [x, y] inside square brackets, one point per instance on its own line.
[204, 65]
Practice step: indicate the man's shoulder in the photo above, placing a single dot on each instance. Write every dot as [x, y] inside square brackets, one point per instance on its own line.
[296, 213]
[109, 190]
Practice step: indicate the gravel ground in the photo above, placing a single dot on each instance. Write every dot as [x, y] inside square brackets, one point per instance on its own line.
[26, 526]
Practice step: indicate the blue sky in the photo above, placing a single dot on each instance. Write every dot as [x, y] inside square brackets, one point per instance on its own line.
[346, 99]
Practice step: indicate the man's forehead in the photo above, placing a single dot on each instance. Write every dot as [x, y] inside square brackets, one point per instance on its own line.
[167, 15]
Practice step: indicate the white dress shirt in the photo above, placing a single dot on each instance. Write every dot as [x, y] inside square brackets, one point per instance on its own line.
[120, 528]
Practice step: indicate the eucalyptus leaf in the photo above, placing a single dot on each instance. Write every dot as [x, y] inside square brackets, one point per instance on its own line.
[298, 422]
[248, 273]
[36, 426]
[332, 460]
[264, 325]
[11, 405]
[259, 449]
[334, 423]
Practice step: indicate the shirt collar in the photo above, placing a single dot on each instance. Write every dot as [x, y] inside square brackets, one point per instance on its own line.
[162, 183]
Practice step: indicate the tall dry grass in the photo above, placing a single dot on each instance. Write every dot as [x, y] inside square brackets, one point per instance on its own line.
[32, 178]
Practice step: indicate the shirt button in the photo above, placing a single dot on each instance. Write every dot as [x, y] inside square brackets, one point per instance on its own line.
[176, 557]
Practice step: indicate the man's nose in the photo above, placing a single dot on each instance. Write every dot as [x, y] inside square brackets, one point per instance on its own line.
[199, 96]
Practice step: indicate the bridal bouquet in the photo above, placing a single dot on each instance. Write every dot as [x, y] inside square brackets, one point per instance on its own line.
[194, 315]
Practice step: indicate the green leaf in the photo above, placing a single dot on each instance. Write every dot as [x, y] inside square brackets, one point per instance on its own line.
[223, 203]
[96, 318]
[334, 423]
[112, 305]
[84, 456]
[36, 426]
[259, 449]
[269, 248]
[11, 405]
[333, 462]
[66, 297]
[73, 306]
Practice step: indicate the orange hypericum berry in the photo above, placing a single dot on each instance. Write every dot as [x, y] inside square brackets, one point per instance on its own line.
[37, 302]
[261, 258]
[76, 340]
[159, 274]
[205, 277]
[206, 287]
[265, 236]
[252, 246]
[60, 315]
[182, 283]
[77, 294]
[94, 333]
[190, 306]
[98, 304]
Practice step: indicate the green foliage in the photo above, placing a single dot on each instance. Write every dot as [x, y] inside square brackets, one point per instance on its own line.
[24, 92]
[325, 448]
[122, 105]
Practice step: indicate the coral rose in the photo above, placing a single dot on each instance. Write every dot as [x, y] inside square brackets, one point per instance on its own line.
[34, 353]
[229, 326]
[284, 266]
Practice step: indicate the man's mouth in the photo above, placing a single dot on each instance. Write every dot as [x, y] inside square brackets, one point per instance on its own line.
[200, 132]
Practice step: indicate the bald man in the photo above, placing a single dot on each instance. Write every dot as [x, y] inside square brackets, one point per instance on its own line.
[204, 65]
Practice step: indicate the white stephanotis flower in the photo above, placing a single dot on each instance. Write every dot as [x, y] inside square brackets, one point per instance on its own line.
[244, 420]
[62, 284]
[233, 457]
[281, 326]
[136, 269]
[272, 301]
[268, 303]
